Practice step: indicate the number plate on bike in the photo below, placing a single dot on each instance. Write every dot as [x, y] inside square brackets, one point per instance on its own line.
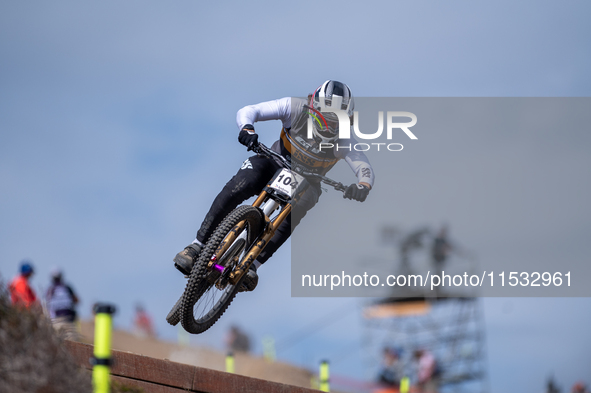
[283, 182]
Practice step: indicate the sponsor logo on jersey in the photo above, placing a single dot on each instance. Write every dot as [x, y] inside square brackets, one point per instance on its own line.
[246, 164]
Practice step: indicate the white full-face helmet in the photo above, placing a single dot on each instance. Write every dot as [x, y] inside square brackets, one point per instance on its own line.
[330, 95]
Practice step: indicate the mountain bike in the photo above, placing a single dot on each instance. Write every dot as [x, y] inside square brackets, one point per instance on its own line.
[221, 267]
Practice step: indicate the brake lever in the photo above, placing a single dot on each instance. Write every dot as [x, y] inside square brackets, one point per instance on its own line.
[257, 149]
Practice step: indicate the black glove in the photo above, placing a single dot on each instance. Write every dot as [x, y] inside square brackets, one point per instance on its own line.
[356, 191]
[248, 139]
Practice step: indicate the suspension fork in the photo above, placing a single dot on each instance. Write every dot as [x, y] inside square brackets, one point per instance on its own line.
[254, 252]
[258, 202]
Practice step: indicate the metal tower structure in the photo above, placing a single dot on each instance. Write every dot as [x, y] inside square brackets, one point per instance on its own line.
[450, 326]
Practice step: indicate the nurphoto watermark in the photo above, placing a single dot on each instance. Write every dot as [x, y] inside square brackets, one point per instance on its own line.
[323, 119]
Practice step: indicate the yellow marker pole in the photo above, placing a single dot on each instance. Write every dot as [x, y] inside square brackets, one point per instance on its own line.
[404, 385]
[269, 348]
[324, 376]
[102, 347]
[230, 363]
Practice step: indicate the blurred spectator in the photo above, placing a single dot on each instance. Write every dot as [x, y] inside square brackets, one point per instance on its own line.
[428, 372]
[21, 292]
[142, 323]
[237, 340]
[392, 369]
[579, 387]
[61, 304]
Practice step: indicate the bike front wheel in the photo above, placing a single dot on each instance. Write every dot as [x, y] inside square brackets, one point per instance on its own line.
[209, 292]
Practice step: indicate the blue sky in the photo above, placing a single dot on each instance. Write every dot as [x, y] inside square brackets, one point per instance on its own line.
[117, 129]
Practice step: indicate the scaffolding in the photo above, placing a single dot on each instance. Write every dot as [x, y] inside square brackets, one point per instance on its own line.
[450, 326]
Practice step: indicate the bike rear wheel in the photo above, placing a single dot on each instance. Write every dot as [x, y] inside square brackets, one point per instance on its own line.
[208, 293]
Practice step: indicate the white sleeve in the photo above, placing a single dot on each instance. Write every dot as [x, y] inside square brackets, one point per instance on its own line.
[358, 162]
[360, 165]
[270, 110]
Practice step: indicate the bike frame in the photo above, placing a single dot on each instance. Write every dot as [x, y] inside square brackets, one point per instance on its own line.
[268, 200]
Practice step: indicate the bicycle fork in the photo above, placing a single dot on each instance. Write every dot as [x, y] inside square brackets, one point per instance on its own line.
[254, 252]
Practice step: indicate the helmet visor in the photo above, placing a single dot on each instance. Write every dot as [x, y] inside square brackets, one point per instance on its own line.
[328, 126]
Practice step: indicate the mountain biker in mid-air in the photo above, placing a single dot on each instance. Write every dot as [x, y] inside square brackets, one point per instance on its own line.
[293, 144]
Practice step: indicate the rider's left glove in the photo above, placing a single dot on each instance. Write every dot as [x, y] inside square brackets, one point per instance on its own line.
[357, 192]
[248, 137]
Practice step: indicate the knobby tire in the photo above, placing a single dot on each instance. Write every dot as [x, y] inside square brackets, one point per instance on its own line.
[200, 286]
[174, 315]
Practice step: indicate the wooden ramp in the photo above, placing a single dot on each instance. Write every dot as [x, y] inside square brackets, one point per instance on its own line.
[164, 376]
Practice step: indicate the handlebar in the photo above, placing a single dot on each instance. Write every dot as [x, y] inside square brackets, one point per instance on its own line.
[263, 150]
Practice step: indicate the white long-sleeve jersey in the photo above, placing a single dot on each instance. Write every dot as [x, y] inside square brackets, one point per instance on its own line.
[293, 139]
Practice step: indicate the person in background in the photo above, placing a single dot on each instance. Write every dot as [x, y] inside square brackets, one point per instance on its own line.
[61, 301]
[142, 323]
[21, 293]
[427, 374]
[392, 369]
[237, 340]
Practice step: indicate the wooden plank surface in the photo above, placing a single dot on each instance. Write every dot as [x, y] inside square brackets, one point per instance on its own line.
[164, 376]
[212, 381]
[147, 387]
[126, 364]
